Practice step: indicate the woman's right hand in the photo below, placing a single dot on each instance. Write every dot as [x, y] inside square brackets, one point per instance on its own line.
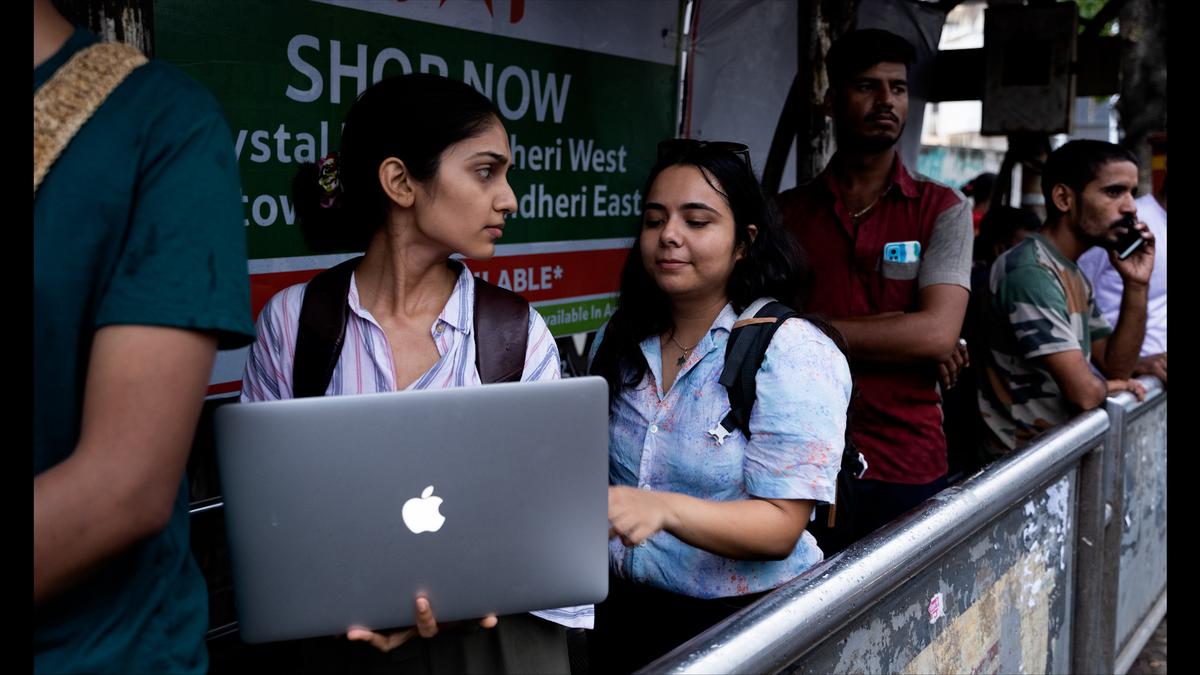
[636, 515]
[426, 627]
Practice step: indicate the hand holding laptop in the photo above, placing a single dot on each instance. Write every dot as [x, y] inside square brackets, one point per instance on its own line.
[426, 627]
[483, 509]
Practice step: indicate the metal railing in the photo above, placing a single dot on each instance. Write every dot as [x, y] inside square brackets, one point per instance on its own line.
[1136, 489]
[1103, 456]
[818, 607]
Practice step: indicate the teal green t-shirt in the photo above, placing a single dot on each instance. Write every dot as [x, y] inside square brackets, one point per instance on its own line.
[138, 222]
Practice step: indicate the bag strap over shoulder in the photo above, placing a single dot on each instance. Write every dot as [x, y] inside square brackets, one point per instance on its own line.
[501, 333]
[322, 330]
[72, 95]
[744, 352]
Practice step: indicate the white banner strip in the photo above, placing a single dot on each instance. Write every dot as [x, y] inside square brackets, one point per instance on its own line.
[578, 298]
[318, 262]
[298, 263]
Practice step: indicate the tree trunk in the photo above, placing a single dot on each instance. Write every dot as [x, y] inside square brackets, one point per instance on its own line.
[821, 22]
[1142, 107]
[802, 121]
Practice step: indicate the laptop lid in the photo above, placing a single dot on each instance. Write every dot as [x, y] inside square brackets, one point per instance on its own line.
[340, 510]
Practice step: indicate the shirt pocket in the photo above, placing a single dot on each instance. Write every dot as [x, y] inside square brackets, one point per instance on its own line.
[897, 286]
[901, 271]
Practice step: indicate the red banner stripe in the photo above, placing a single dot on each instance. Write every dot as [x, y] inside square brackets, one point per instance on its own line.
[536, 277]
[264, 286]
[548, 276]
[224, 387]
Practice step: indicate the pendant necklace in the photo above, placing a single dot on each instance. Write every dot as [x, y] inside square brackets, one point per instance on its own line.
[686, 350]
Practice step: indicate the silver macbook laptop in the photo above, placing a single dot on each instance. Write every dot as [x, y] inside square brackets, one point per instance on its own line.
[340, 510]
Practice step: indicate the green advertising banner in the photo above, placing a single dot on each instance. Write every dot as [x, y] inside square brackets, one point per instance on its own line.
[586, 89]
[583, 125]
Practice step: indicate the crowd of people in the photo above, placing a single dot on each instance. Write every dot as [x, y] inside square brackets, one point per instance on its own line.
[924, 344]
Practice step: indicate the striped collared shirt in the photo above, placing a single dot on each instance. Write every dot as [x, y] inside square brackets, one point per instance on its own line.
[365, 365]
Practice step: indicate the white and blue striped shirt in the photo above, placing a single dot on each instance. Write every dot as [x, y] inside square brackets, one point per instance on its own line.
[365, 365]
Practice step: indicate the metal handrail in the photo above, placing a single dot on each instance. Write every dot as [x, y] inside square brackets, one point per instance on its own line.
[221, 631]
[206, 505]
[788, 622]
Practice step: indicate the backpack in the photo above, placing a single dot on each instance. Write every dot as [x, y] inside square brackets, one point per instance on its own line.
[501, 331]
[744, 353]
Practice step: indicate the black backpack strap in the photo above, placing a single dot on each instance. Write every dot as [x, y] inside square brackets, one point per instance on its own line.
[744, 353]
[322, 329]
[501, 333]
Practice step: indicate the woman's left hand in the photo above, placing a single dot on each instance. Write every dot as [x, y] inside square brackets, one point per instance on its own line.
[635, 515]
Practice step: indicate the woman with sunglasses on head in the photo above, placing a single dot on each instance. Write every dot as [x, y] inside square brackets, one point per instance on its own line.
[422, 174]
[701, 527]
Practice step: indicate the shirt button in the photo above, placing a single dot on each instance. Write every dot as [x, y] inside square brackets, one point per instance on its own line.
[654, 428]
[646, 488]
[440, 328]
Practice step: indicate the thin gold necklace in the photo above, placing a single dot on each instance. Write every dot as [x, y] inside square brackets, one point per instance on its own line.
[860, 214]
[686, 350]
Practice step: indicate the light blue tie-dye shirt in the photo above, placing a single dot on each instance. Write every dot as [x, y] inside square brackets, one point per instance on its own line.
[661, 441]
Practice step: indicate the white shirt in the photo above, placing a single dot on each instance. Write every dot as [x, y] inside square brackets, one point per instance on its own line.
[365, 365]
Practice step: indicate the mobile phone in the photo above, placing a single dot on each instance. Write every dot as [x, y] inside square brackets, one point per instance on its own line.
[902, 251]
[1126, 244]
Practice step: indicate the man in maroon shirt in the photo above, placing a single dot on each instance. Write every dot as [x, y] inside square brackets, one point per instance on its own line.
[891, 256]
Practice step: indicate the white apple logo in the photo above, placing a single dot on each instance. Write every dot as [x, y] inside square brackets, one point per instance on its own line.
[421, 513]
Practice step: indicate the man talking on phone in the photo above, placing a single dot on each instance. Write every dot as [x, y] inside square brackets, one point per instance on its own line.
[1051, 353]
[1108, 287]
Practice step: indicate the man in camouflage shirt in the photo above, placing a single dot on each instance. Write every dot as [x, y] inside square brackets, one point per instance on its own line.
[1051, 353]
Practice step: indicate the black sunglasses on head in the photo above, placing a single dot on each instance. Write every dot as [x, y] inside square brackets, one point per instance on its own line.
[673, 146]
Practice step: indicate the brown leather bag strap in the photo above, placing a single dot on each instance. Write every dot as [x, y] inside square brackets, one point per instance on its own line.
[64, 103]
[501, 333]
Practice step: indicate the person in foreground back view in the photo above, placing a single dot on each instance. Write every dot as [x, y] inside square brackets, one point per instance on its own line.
[139, 275]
